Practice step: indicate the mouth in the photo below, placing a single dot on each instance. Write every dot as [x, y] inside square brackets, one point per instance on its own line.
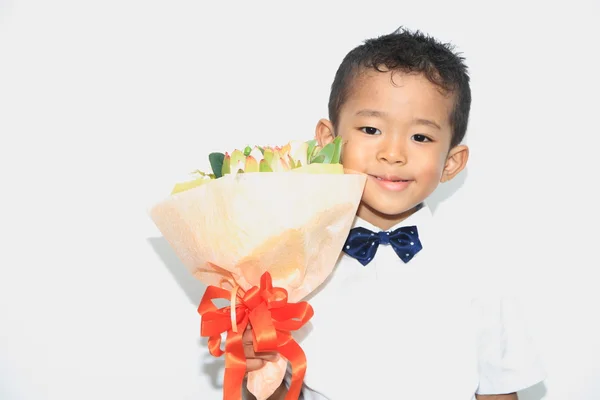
[391, 182]
[390, 178]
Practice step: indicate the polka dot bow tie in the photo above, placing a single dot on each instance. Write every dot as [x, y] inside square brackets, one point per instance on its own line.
[362, 244]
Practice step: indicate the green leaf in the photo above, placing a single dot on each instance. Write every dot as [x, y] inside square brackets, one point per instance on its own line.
[247, 151]
[337, 151]
[327, 152]
[216, 163]
[311, 146]
[199, 173]
[318, 159]
[262, 150]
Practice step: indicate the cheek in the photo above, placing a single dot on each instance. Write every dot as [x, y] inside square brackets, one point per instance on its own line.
[352, 155]
[432, 168]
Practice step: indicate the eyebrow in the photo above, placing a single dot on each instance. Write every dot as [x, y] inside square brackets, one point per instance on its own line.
[423, 121]
[382, 114]
[371, 113]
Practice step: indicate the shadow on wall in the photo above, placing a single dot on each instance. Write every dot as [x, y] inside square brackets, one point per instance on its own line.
[536, 392]
[445, 190]
[192, 287]
[210, 366]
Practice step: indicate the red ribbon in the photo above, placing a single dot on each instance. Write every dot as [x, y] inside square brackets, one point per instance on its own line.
[272, 319]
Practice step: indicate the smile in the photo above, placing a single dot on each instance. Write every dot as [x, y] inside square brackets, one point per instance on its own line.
[391, 180]
[391, 183]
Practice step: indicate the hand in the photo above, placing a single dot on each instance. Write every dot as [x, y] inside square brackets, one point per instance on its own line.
[254, 360]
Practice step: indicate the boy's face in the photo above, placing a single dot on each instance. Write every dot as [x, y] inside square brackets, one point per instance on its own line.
[398, 133]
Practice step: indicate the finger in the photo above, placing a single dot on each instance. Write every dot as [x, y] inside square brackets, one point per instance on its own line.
[264, 355]
[247, 336]
[248, 344]
[248, 350]
[267, 356]
[253, 364]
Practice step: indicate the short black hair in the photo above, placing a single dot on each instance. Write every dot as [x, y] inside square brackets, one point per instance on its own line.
[411, 52]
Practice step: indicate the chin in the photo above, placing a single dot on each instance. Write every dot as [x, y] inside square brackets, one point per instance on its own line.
[390, 211]
[393, 214]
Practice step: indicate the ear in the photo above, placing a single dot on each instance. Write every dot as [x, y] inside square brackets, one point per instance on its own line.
[324, 132]
[455, 162]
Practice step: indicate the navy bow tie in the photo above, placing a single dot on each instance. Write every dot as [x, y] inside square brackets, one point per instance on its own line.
[362, 244]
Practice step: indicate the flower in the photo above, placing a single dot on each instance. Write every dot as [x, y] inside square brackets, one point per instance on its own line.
[293, 155]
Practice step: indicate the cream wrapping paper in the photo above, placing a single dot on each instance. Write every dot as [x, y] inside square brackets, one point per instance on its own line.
[231, 230]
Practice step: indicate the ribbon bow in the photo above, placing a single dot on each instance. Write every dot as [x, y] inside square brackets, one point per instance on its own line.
[272, 319]
[362, 243]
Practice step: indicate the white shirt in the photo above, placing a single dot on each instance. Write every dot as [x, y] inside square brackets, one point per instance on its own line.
[412, 331]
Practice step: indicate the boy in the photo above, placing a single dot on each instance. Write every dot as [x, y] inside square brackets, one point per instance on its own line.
[401, 105]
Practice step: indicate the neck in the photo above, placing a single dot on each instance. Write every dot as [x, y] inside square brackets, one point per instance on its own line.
[383, 221]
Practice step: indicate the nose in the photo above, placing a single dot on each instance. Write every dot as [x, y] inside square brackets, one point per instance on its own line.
[392, 151]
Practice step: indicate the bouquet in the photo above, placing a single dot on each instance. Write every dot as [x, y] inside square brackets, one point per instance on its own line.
[263, 230]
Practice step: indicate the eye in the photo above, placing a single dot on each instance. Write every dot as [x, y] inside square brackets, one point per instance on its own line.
[421, 138]
[369, 130]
